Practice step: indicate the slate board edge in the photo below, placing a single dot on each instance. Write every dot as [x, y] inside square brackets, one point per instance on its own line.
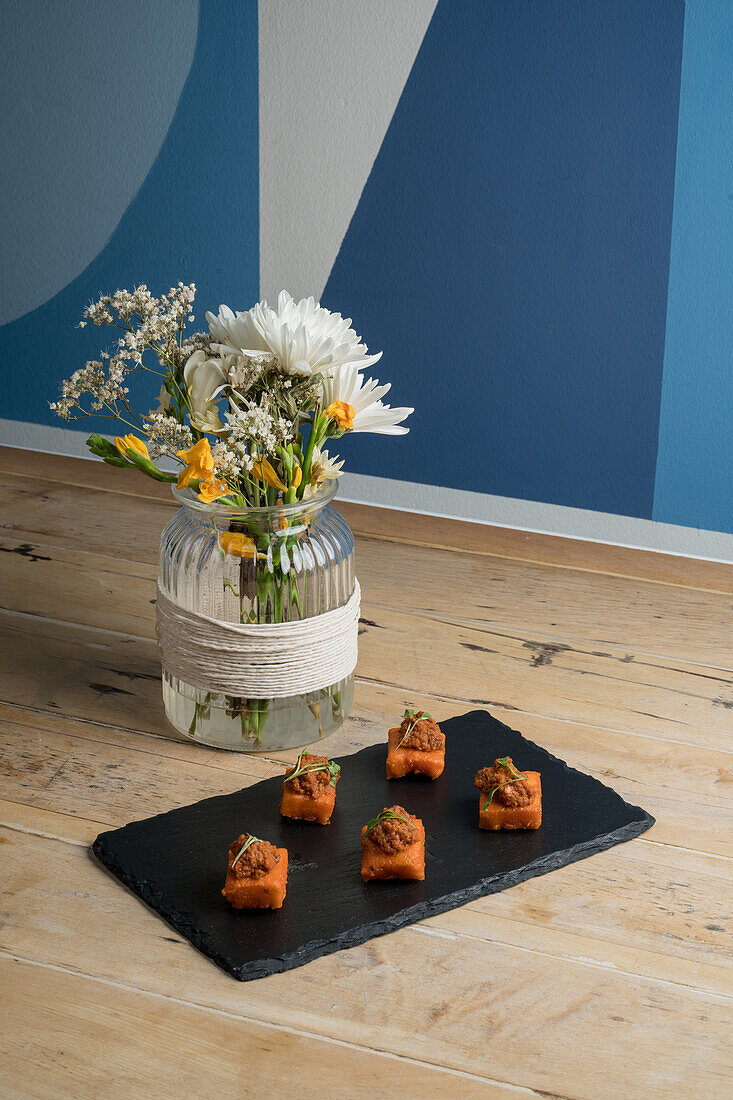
[314, 949]
[354, 937]
[566, 766]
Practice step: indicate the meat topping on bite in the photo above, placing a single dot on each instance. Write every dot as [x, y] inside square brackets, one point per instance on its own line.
[313, 781]
[421, 732]
[393, 830]
[506, 782]
[258, 857]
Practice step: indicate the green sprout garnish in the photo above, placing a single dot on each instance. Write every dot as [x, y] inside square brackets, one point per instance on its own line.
[504, 761]
[412, 722]
[330, 766]
[250, 840]
[386, 815]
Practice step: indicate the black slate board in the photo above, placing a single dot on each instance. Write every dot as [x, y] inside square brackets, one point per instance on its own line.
[176, 862]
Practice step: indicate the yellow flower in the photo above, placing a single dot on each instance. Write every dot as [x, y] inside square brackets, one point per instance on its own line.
[130, 442]
[343, 413]
[237, 544]
[199, 463]
[297, 477]
[265, 472]
[211, 489]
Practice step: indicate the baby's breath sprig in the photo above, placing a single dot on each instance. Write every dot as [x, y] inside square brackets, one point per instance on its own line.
[413, 721]
[386, 815]
[250, 840]
[505, 763]
[330, 766]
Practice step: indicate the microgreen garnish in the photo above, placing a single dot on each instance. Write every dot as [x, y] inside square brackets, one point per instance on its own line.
[386, 815]
[330, 766]
[505, 763]
[250, 840]
[412, 722]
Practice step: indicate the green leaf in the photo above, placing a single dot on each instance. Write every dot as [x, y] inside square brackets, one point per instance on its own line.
[250, 840]
[386, 815]
[413, 721]
[504, 761]
[102, 447]
[330, 766]
[116, 462]
[106, 450]
[148, 467]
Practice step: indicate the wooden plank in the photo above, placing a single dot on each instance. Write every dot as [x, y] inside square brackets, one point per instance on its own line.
[634, 888]
[71, 828]
[676, 785]
[88, 519]
[111, 781]
[367, 996]
[164, 744]
[65, 1034]
[627, 945]
[415, 528]
[536, 548]
[100, 677]
[87, 473]
[546, 607]
[556, 916]
[91, 673]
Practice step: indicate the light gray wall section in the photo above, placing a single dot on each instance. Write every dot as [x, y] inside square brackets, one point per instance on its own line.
[99, 93]
[553, 519]
[331, 73]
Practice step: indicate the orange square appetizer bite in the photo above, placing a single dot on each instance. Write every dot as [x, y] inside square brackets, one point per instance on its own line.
[257, 874]
[393, 846]
[509, 799]
[309, 788]
[416, 748]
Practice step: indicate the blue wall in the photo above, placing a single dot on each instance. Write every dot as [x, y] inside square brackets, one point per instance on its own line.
[514, 236]
[195, 217]
[543, 248]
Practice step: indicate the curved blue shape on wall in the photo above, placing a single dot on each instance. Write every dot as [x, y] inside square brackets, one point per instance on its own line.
[92, 128]
[510, 251]
[195, 218]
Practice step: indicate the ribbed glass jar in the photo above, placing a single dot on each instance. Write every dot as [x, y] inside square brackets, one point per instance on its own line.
[257, 565]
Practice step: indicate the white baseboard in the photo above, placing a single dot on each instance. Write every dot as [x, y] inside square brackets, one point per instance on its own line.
[435, 500]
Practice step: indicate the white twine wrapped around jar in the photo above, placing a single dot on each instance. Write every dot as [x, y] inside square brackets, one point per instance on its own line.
[258, 660]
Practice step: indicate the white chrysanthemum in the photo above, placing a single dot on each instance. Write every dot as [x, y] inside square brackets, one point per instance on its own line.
[370, 412]
[306, 338]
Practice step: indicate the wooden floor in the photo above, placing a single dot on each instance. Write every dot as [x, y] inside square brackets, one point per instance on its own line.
[610, 978]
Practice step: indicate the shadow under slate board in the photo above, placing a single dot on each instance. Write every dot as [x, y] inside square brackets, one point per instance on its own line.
[176, 861]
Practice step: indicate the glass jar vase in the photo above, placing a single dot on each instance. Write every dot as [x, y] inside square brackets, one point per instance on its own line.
[257, 565]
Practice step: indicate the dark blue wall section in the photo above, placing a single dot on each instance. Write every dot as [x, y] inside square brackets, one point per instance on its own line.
[510, 250]
[195, 218]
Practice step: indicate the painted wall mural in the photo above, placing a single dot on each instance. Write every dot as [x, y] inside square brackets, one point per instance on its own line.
[194, 216]
[527, 205]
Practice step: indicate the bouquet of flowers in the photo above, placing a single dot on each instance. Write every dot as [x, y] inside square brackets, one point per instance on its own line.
[247, 410]
[244, 408]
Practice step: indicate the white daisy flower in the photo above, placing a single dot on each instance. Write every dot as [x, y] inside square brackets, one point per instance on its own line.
[370, 414]
[323, 467]
[306, 338]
